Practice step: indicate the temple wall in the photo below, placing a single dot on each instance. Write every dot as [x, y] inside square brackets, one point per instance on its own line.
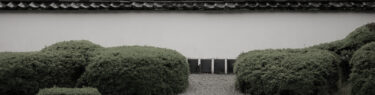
[196, 35]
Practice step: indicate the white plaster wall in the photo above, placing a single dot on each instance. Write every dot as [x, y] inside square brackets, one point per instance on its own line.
[196, 35]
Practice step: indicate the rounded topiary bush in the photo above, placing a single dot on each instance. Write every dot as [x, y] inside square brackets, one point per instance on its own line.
[60, 65]
[362, 77]
[287, 72]
[347, 46]
[25, 73]
[84, 47]
[67, 61]
[21, 73]
[137, 70]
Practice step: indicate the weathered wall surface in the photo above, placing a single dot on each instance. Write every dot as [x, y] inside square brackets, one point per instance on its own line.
[196, 35]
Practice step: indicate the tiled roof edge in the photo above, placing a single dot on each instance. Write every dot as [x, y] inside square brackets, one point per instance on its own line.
[189, 5]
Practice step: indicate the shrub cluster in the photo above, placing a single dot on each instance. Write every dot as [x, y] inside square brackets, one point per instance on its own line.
[69, 91]
[287, 72]
[126, 70]
[347, 46]
[67, 61]
[363, 70]
[315, 72]
[137, 70]
[26, 73]
[20, 73]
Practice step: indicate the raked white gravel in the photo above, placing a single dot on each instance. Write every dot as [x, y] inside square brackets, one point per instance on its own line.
[211, 84]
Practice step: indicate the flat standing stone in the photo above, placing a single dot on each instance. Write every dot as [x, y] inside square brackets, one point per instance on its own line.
[193, 65]
[219, 66]
[205, 65]
[230, 63]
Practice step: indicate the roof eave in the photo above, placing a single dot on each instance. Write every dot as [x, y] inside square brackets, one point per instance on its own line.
[343, 5]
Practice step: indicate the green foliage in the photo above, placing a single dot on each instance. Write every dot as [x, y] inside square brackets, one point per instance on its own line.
[63, 68]
[137, 70]
[270, 71]
[86, 48]
[363, 70]
[21, 73]
[58, 65]
[347, 46]
[69, 91]
[81, 46]
[25, 73]
[287, 72]
[67, 60]
[132, 70]
[7, 55]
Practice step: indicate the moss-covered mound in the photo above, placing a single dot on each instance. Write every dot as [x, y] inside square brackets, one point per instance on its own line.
[363, 70]
[137, 70]
[347, 46]
[69, 91]
[7, 55]
[287, 72]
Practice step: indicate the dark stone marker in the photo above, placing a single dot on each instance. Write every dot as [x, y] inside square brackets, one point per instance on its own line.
[193, 65]
[219, 66]
[205, 66]
[230, 63]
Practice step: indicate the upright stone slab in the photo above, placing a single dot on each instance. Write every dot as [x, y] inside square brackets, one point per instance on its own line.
[193, 65]
[205, 65]
[230, 63]
[219, 66]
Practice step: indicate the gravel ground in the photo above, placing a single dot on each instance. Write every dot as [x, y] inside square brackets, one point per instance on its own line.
[211, 84]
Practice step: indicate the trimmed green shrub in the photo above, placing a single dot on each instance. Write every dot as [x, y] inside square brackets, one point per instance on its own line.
[6, 55]
[21, 73]
[58, 65]
[287, 72]
[25, 73]
[82, 46]
[86, 48]
[64, 68]
[137, 70]
[363, 70]
[69, 91]
[67, 61]
[347, 46]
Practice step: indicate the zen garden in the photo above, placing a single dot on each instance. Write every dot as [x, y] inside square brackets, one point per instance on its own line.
[80, 67]
[88, 67]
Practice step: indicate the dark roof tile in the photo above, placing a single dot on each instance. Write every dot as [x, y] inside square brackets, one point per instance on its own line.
[189, 5]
